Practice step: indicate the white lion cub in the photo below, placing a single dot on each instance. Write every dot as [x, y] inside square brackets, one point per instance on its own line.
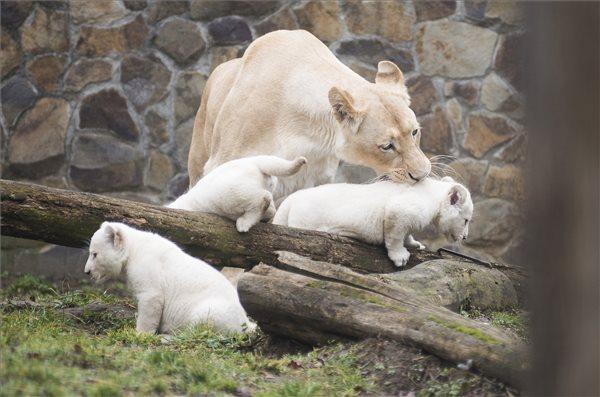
[173, 289]
[382, 212]
[240, 190]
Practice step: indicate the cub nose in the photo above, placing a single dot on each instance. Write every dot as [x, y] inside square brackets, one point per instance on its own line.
[87, 272]
[464, 237]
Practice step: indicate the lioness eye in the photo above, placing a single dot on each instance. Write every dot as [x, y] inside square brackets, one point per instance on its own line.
[387, 146]
[415, 132]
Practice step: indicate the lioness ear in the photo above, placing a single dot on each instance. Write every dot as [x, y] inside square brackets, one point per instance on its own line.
[342, 105]
[388, 73]
[113, 234]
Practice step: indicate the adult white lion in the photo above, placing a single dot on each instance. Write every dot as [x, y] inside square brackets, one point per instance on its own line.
[289, 96]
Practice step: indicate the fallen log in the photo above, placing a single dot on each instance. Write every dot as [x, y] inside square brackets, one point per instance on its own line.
[338, 304]
[70, 218]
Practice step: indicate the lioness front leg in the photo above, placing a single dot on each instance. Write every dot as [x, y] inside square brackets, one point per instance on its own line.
[149, 313]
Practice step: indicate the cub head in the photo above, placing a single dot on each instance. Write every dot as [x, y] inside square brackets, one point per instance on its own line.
[456, 212]
[380, 129]
[107, 252]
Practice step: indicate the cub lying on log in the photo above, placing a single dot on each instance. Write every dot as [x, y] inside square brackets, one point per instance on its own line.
[173, 289]
[241, 190]
[382, 212]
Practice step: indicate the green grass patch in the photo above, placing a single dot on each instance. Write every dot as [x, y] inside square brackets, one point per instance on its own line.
[464, 330]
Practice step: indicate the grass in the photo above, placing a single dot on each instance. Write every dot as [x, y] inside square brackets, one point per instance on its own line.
[512, 320]
[45, 352]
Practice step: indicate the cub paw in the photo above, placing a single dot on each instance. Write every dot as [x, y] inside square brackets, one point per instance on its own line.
[400, 258]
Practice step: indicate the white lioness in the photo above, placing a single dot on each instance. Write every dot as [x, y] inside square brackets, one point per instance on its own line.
[382, 212]
[240, 190]
[290, 96]
[173, 290]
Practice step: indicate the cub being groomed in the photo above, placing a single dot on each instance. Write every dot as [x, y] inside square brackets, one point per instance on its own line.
[240, 190]
[173, 290]
[382, 212]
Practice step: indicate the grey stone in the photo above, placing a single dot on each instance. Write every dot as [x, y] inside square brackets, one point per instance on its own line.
[436, 133]
[188, 91]
[470, 172]
[181, 40]
[454, 49]
[494, 222]
[282, 19]
[157, 127]
[468, 90]
[162, 9]
[103, 163]
[87, 71]
[422, 94]
[14, 13]
[17, 94]
[107, 109]
[145, 80]
[351, 173]
[505, 182]
[321, 18]
[160, 171]
[515, 151]
[508, 60]
[231, 30]
[392, 20]
[11, 55]
[485, 133]
[372, 51]
[103, 41]
[45, 31]
[210, 9]
[45, 71]
[91, 12]
[430, 10]
[494, 92]
[183, 138]
[37, 147]
[179, 185]
[135, 5]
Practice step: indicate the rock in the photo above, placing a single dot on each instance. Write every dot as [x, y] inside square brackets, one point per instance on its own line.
[183, 137]
[37, 147]
[179, 185]
[181, 40]
[508, 60]
[422, 94]
[494, 92]
[366, 72]
[282, 19]
[436, 133]
[475, 9]
[14, 13]
[160, 171]
[505, 182]
[430, 10]
[107, 109]
[454, 113]
[321, 18]
[509, 12]
[157, 127]
[515, 151]
[485, 133]
[371, 51]
[210, 9]
[103, 163]
[466, 90]
[87, 71]
[98, 42]
[145, 80]
[392, 20]
[17, 95]
[91, 12]
[351, 173]
[188, 91]
[45, 31]
[219, 55]
[11, 54]
[162, 9]
[45, 71]
[135, 5]
[226, 31]
[454, 49]
[494, 222]
[470, 172]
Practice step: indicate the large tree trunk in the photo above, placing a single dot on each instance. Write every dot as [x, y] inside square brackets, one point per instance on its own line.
[332, 302]
[70, 218]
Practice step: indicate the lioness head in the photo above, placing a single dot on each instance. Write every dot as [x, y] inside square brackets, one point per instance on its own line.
[381, 131]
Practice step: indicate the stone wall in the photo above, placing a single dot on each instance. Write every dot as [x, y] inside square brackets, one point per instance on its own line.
[101, 95]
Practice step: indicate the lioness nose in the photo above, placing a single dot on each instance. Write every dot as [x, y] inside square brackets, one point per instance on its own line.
[416, 178]
[87, 272]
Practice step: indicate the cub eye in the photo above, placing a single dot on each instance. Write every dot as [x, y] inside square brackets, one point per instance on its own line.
[387, 146]
[94, 255]
[415, 132]
[466, 221]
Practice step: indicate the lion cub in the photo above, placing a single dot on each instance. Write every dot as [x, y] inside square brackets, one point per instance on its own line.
[382, 212]
[173, 290]
[240, 190]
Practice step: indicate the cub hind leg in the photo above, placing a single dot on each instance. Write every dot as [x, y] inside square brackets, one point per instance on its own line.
[262, 208]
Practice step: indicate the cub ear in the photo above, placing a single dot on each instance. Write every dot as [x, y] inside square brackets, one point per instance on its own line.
[113, 234]
[388, 73]
[342, 105]
[457, 195]
[447, 179]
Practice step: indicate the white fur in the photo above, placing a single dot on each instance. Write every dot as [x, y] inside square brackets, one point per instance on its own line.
[381, 212]
[173, 289]
[241, 190]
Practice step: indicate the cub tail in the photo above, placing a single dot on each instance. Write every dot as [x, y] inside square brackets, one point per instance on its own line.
[276, 166]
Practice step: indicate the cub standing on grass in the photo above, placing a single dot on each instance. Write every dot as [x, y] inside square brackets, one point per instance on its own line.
[241, 190]
[173, 289]
[382, 212]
